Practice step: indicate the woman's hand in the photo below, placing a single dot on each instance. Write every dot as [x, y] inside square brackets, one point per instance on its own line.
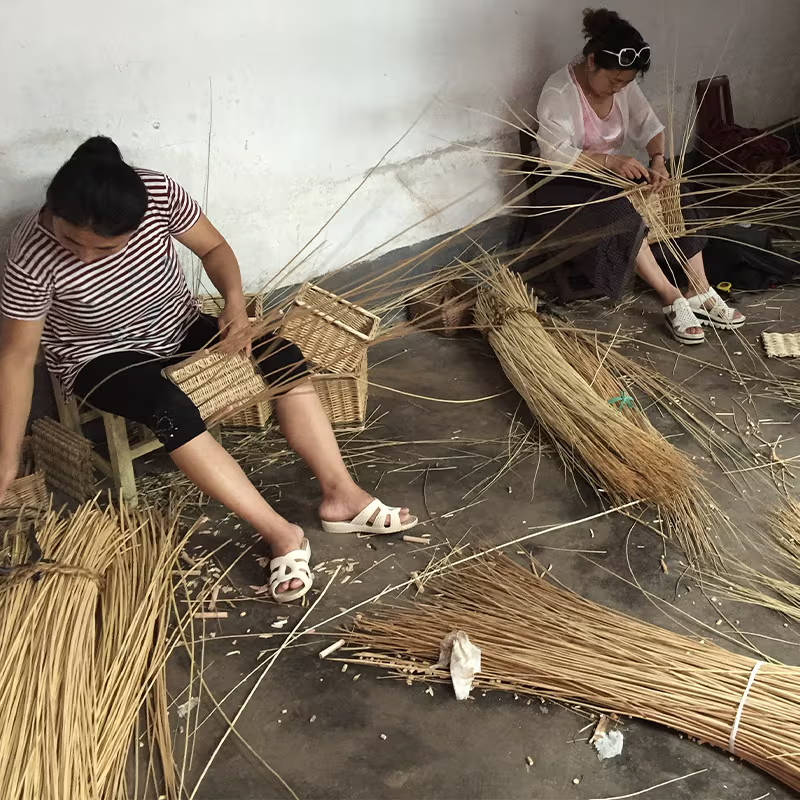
[234, 325]
[659, 174]
[628, 167]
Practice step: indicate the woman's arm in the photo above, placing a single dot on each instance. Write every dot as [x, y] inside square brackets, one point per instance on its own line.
[19, 344]
[221, 266]
[624, 166]
[658, 162]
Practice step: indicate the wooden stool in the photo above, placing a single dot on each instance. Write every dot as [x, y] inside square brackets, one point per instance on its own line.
[121, 454]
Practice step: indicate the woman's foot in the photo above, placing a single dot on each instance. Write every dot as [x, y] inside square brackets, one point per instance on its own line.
[281, 542]
[342, 505]
[711, 309]
[683, 324]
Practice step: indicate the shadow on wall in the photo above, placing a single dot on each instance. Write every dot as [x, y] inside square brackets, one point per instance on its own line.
[56, 146]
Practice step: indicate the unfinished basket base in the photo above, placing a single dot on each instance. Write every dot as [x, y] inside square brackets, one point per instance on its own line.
[661, 212]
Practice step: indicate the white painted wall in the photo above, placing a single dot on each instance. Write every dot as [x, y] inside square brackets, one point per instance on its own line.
[301, 99]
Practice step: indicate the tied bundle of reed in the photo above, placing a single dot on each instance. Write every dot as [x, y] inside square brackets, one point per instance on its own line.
[546, 641]
[82, 643]
[606, 437]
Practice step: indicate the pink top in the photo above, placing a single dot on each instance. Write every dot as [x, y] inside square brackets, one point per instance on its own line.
[600, 135]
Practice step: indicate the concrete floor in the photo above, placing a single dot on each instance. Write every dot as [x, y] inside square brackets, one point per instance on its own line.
[322, 728]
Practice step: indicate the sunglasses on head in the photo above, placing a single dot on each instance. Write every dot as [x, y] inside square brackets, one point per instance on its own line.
[628, 56]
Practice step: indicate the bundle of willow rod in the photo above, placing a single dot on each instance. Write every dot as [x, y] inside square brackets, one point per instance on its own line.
[539, 639]
[604, 436]
[82, 642]
[785, 527]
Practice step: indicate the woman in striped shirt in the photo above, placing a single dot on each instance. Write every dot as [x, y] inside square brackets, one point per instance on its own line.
[94, 277]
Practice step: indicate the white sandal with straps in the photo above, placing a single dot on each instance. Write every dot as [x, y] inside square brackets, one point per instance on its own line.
[720, 315]
[292, 566]
[680, 317]
[372, 519]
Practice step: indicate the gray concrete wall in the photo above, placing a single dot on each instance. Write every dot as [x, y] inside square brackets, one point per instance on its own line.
[270, 113]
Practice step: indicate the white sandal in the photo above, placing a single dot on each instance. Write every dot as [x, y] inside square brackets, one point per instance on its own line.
[361, 522]
[292, 566]
[720, 315]
[680, 317]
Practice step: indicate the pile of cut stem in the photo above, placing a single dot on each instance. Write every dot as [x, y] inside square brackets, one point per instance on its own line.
[546, 641]
[82, 644]
[593, 423]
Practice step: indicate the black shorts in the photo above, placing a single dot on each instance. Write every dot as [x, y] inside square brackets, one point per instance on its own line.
[130, 384]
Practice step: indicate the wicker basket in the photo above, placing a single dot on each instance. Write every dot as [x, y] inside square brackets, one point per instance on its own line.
[256, 416]
[212, 304]
[65, 457]
[446, 309]
[217, 383]
[332, 332]
[661, 212]
[30, 490]
[344, 396]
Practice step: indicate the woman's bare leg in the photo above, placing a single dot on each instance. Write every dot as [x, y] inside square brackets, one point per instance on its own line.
[207, 464]
[309, 433]
[651, 273]
[698, 281]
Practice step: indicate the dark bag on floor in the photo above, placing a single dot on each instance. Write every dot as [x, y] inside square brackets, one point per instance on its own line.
[746, 149]
[744, 258]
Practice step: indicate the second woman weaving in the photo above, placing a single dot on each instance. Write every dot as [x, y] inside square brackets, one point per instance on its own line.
[593, 110]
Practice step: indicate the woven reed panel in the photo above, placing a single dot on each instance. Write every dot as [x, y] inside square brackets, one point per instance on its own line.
[29, 490]
[661, 212]
[781, 345]
[64, 456]
[217, 383]
[332, 332]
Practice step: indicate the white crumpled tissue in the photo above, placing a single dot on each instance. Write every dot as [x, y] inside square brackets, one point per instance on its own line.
[607, 743]
[458, 653]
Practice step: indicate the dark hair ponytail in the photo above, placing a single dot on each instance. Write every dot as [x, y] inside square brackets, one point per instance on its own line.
[96, 189]
[606, 30]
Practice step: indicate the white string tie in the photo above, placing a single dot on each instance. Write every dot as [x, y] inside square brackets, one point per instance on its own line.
[738, 718]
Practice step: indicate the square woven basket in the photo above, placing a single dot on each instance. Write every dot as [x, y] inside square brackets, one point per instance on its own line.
[218, 384]
[446, 309]
[344, 396]
[661, 212]
[332, 332]
[255, 416]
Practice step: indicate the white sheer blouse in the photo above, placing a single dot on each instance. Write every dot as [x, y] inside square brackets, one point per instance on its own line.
[560, 117]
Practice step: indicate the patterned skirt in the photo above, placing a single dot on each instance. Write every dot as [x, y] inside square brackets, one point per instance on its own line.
[604, 232]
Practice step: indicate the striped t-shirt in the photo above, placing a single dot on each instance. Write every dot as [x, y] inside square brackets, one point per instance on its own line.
[136, 299]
